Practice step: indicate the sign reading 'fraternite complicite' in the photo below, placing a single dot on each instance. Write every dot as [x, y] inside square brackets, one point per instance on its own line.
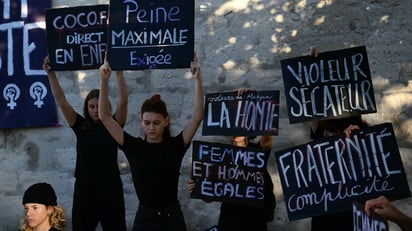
[326, 175]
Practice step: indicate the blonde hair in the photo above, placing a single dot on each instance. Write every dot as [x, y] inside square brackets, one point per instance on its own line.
[57, 219]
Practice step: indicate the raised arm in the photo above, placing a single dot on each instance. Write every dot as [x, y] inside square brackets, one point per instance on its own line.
[122, 93]
[68, 112]
[197, 116]
[104, 106]
[266, 142]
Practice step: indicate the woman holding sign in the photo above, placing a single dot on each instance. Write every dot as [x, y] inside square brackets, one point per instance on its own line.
[326, 128]
[243, 217]
[98, 190]
[235, 217]
[156, 158]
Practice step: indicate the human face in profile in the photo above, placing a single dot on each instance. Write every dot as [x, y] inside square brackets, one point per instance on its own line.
[38, 216]
[153, 126]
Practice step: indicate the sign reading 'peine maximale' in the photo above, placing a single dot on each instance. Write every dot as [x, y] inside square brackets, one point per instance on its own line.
[150, 34]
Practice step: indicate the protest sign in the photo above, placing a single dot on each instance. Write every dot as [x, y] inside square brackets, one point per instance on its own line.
[151, 34]
[77, 37]
[253, 113]
[326, 175]
[26, 99]
[362, 222]
[333, 85]
[214, 228]
[228, 173]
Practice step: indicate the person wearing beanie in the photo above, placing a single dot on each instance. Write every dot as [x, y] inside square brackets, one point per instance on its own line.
[42, 213]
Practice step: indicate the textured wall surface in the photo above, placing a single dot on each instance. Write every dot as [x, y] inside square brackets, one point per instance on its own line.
[239, 43]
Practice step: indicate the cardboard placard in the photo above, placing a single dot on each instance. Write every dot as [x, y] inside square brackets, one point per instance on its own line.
[333, 85]
[151, 34]
[228, 173]
[326, 175]
[77, 37]
[251, 114]
[213, 228]
[26, 99]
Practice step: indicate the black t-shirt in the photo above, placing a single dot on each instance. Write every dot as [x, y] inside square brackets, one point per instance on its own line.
[155, 168]
[96, 152]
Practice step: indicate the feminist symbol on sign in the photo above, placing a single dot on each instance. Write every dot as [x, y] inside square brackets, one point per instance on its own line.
[11, 93]
[37, 92]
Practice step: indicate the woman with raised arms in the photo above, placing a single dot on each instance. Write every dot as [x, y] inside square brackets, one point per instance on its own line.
[155, 159]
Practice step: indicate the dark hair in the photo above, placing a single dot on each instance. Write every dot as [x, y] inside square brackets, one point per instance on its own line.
[157, 105]
[338, 125]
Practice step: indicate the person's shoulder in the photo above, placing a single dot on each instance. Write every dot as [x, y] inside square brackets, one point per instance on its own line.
[79, 122]
[130, 137]
[176, 137]
[175, 140]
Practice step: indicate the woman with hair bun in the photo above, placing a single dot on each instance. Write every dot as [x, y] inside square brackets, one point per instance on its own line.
[155, 160]
[42, 213]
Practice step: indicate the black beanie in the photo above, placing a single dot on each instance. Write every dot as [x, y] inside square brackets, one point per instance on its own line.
[40, 193]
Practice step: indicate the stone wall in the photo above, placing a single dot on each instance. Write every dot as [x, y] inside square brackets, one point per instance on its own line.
[239, 43]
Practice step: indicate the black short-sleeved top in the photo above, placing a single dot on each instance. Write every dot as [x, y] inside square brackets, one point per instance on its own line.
[96, 151]
[155, 168]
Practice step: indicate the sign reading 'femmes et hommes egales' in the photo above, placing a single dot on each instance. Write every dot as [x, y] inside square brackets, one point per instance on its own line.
[228, 173]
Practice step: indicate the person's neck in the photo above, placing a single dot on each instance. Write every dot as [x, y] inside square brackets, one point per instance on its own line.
[154, 141]
[45, 226]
